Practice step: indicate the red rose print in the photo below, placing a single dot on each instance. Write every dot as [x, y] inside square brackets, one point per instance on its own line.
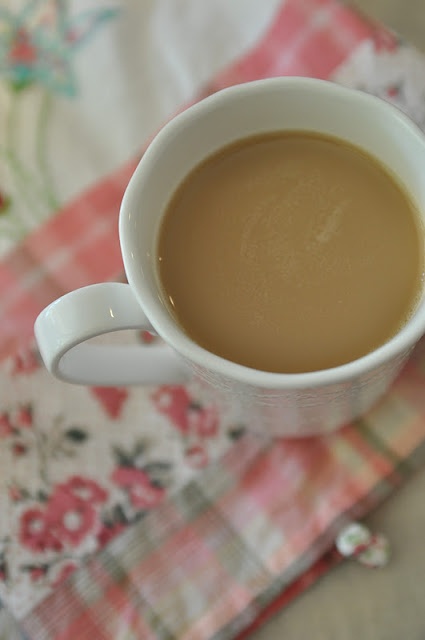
[142, 493]
[23, 416]
[112, 399]
[173, 401]
[6, 428]
[38, 572]
[25, 362]
[393, 91]
[147, 337]
[196, 456]
[15, 494]
[145, 496]
[108, 533]
[23, 50]
[83, 488]
[35, 532]
[203, 421]
[19, 449]
[69, 517]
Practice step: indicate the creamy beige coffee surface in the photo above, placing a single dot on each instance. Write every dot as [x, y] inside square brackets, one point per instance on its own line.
[290, 252]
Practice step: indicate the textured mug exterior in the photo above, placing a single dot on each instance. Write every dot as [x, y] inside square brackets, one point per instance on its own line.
[304, 411]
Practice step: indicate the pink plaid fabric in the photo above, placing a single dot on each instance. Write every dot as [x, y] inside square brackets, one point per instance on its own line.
[223, 552]
[59, 257]
[251, 532]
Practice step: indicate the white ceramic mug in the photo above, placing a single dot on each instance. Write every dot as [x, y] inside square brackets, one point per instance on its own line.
[278, 404]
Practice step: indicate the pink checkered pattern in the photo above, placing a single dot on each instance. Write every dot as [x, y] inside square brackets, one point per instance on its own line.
[194, 567]
[312, 45]
[79, 246]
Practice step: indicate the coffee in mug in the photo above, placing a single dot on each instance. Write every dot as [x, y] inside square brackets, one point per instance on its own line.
[291, 252]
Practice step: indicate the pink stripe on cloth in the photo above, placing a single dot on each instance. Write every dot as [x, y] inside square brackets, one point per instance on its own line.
[302, 41]
[79, 246]
[296, 466]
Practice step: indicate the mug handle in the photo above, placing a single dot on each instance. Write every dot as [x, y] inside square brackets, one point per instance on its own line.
[62, 328]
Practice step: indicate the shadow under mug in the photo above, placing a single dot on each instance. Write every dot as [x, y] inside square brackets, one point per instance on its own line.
[275, 404]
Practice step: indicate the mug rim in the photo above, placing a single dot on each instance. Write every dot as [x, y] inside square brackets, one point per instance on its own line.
[171, 332]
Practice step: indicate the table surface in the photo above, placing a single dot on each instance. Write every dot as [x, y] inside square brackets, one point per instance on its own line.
[352, 602]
